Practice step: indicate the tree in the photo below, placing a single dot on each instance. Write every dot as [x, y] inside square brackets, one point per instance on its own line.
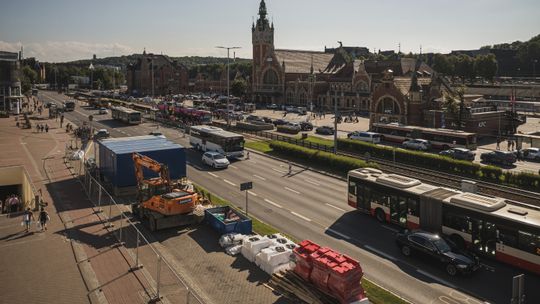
[442, 64]
[239, 87]
[465, 67]
[29, 77]
[486, 66]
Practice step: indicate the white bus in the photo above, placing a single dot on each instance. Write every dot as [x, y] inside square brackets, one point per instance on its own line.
[505, 230]
[209, 138]
[126, 115]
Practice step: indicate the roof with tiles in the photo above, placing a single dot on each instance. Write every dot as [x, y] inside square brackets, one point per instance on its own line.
[300, 61]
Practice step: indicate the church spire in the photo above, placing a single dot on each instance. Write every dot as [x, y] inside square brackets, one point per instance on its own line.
[262, 10]
[262, 21]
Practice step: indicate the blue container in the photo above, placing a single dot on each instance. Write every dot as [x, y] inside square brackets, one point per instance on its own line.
[215, 218]
[115, 160]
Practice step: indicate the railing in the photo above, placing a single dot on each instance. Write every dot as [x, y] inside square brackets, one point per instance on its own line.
[117, 220]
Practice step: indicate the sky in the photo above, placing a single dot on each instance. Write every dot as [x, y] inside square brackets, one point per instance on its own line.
[66, 30]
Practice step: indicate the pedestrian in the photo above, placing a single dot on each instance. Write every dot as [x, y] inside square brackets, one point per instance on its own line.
[247, 155]
[28, 217]
[43, 219]
[37, 127]
[47, 128]
[61, 120]
[13, 204]
[290, 168]
[41, 128]
[498, 143]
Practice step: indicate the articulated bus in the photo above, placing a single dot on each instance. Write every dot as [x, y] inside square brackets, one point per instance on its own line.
[126, 115]
[439, 138]
[209, 138]
[495, 227]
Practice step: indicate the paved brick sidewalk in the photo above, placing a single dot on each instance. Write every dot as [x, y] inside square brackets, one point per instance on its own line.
[76, 260]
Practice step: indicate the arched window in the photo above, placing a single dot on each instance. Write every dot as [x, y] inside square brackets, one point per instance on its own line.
[270, 77]
[388, 105]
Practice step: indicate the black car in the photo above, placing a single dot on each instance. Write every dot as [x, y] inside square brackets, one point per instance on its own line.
[306, 126]
[325, 130]
[459, 153]
[432, 246]
[279, 122]
[500, 157]
[267, 120]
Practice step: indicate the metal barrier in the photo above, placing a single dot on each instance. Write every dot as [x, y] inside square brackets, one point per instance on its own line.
[163, 280]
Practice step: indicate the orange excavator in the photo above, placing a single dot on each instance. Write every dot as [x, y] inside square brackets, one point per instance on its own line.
[158, 201]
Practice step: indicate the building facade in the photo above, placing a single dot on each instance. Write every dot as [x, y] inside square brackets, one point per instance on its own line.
[10, 82]
[156, 75]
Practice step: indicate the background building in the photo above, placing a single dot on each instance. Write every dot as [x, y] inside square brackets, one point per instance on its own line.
[169, 76]
[10, 82]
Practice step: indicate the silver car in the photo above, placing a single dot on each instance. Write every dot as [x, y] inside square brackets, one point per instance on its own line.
[417, 144]
[215, 160]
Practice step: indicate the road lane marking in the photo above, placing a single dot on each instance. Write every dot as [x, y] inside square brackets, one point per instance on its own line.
[338, 233]
[253, 193]
[279, 170]
[335, 207]
[233, 166]
[214, 175]
[386, 255]
[429, 275]
[301, 216]
[229, 182]
[259, 177]
[311, 181]
[272, 203]
[390, 228]
[292, 190]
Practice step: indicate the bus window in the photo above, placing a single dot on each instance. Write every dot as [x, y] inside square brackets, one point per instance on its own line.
[412, 205]
[508, 237]
[457, 222]
[529, 242]
[380, 198]
[352, 188]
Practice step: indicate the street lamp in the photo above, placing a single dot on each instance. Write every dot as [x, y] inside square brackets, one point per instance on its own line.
[91, 67]
[228, 94]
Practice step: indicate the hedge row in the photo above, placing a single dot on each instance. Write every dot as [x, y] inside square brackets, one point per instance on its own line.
[336, 162]
[493, 174]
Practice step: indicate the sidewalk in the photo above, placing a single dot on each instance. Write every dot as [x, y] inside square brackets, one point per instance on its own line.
[76, 260]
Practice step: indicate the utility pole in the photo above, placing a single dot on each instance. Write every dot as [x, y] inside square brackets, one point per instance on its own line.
[91, 67]
[228, 93]
[152, 72]
[335, 122]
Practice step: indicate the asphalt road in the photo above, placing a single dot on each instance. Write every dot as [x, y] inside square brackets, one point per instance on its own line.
[310, 205]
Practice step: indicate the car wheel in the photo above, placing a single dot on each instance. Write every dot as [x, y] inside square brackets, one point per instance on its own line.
[451, 269]
[381, 217]
[406, 250]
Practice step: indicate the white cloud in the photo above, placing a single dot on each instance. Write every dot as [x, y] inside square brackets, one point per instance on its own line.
[61, 51]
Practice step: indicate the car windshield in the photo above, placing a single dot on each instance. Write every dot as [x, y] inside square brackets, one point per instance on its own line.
[441, 245]
[219, 156]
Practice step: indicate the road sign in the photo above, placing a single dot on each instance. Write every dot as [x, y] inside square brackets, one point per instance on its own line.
[246, 186]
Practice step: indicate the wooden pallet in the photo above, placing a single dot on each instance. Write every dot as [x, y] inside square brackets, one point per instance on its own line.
[298, 290]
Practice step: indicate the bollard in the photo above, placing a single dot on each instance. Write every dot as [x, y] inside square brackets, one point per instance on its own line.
[109, 216]
[188, 295]
[121, 226]
[137, 252]
[99, 197]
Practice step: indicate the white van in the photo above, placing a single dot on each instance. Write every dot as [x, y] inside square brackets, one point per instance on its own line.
[371, 137]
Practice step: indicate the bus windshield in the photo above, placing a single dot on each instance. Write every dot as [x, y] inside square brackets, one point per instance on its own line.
[233, 144]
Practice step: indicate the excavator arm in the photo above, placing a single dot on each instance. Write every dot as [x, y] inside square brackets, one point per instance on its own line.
[141, 161]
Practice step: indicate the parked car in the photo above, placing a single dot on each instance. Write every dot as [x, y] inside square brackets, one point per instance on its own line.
[272, 106]
[279, 122]
[371, 137]
[254, 118]
[306, 126]
[500, 157]
[290, 109]
[215, 160]
[530, 154]
[294, 125]
[325, 130]
[101, 133]
[433, 247]
[103, 111]
[459, 153]
[417, 144]
[267, 119]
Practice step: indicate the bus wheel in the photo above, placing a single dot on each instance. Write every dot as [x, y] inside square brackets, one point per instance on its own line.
[379, 214]
[458, 240]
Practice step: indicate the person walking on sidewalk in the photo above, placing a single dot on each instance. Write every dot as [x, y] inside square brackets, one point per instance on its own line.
[290, 168]
[28, 217]
[43, 218]
[47, 128]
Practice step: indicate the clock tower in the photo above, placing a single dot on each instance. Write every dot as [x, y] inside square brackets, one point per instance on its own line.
[262, 38]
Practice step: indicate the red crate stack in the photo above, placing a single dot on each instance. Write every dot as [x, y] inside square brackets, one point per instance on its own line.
[322, 267]
[303, 258]
[344, 280]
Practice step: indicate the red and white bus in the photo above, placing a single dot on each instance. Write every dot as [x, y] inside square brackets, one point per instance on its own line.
[495, 227]
[191, 114]
[439, 138]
